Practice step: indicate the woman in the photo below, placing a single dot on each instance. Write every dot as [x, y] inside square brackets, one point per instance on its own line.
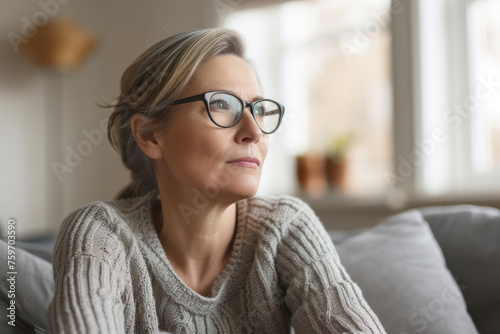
[187, 247]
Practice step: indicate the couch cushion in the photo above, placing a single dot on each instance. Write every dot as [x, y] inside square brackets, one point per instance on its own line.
[34, 288]
[338, 236]
[469, 237]
[403, 275]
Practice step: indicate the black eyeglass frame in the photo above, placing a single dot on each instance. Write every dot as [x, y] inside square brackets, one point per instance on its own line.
[205, 97]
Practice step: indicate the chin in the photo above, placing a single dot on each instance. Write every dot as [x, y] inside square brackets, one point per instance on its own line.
[235, 184]
[243, 186]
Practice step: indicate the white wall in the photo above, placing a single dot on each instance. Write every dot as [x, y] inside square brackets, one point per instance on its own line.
[33, 135]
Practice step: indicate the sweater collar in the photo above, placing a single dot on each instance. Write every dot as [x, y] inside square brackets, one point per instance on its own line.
[226, 284]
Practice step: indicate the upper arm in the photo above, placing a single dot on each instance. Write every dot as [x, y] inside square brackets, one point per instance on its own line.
[303, 241]
[319, 293]
[89, 275]
[323, 299]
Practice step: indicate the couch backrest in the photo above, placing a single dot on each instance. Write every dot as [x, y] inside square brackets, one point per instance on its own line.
[469, 237]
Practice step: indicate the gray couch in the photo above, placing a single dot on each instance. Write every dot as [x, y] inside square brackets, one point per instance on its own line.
[428, 270]
[431, 270]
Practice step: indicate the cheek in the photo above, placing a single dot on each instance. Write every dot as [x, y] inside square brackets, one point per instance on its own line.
[264, 146]
[192, 154]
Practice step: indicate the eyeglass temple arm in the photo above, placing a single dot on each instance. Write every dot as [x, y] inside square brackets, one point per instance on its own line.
[190, 99]
[273, 112]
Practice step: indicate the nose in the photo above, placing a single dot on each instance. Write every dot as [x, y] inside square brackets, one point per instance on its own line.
[248, 130]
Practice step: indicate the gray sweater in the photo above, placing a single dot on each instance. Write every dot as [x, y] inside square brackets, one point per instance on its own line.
[284, 275]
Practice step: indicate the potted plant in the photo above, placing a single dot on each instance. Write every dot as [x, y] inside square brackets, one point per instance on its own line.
[336, 160]
[311, 173]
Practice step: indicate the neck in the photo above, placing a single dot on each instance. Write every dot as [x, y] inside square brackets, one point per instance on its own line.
[196, 238]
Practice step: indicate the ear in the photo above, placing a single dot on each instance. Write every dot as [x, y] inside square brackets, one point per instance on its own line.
[148, 143]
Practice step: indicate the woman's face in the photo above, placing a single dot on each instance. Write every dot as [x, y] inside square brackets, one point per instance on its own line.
[199, 155]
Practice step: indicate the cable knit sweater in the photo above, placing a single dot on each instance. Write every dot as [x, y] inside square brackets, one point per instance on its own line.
[284, 275]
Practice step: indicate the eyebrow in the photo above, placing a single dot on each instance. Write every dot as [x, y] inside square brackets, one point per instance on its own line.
[258, 97]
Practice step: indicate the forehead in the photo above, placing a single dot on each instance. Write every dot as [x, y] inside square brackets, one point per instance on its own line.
[226, 72]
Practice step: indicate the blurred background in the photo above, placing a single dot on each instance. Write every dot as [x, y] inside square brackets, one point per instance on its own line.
[389, 105]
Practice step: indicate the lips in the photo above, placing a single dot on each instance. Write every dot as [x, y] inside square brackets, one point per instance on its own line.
[246, 162]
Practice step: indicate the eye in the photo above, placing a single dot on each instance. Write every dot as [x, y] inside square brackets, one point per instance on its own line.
[258, 110]
[219, 104]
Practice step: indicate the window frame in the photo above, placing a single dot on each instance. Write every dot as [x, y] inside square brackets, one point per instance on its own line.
[459, 85]
[408, 129]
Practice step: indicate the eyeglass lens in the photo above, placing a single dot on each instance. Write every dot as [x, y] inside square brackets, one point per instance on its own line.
[225, 109]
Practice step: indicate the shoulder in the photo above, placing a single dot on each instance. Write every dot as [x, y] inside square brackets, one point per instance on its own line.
[282, 210]
[284, 206]
[290, 223]
[107, 215]
[100, 229]
[285, 217]
[98, 215]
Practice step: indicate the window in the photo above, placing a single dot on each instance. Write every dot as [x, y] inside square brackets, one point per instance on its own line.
[458, 94]
[329, 64]
[485, 70]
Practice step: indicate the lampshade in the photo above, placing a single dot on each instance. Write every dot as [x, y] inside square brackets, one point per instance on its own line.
[60, 44]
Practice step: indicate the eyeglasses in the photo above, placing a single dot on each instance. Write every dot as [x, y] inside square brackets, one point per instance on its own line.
[225, 109]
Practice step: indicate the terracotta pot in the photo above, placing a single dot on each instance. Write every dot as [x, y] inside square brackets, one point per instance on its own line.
[336, 172]
[311, 174]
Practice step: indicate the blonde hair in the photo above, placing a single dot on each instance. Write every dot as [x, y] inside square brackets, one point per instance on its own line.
[150, 85]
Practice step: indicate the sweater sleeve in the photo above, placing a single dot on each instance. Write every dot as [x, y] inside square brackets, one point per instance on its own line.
[89, 275]
[320, 294]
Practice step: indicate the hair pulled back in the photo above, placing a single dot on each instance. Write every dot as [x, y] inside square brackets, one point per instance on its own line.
[150, 85]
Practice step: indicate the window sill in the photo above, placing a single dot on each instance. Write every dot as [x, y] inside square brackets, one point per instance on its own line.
[342, 211]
